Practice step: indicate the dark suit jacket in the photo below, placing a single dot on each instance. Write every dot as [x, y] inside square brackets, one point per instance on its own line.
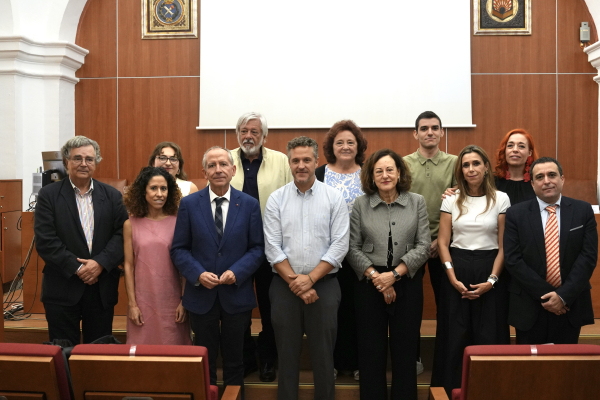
[60, 240]
[196, 249]
[525, 259]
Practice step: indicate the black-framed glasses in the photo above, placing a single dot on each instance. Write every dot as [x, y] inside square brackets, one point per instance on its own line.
[80, 160]
[163, 159]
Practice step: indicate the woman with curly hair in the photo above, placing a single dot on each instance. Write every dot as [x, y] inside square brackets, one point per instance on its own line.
[514, 158]
[154, 287]
[344, 149]
[168, 155]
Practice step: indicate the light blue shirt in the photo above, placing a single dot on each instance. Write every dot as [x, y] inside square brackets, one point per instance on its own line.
[305, 228]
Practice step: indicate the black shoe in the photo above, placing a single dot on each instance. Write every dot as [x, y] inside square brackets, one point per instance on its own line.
[267, 372]
[249, 369]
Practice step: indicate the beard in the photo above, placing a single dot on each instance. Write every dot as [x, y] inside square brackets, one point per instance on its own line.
[251, 151]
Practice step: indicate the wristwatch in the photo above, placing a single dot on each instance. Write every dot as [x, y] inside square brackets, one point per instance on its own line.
[397, 276]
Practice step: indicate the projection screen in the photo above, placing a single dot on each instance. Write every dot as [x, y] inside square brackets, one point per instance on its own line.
[309, 64]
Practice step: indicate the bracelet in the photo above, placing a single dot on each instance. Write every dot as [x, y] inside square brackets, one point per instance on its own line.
[448, 265]
[371, 274]
[313, 282]
[492, 279]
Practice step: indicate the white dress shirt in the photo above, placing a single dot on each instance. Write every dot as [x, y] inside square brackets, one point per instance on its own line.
[224, 205]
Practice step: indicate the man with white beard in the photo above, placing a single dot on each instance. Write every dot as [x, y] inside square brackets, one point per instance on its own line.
[260, 171]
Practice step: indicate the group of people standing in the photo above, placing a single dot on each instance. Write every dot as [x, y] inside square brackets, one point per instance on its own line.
[336, 252]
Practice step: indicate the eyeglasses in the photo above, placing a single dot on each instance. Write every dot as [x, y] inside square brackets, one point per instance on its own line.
[163, 159]
[79, 160]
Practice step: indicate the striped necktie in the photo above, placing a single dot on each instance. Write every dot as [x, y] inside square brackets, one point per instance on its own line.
[552, 246]
[219, 217]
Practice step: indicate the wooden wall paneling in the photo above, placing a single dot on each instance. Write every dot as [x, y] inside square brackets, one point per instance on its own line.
[153, 57]
[97, 32]
[505, 102]
[399, 140]
[279, 138]
[527, 53]
[577, 135]
[96, 118]
[152, 110]
[571, 58]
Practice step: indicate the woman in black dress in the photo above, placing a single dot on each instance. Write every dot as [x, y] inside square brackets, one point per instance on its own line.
[514, 156]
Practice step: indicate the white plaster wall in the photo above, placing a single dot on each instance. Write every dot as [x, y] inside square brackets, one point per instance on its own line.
[6, 18]
[594, 8]
[8, 150]
[38, 60]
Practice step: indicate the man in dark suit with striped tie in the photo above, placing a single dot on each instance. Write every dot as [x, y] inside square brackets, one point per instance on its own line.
[218, 244]
[550, 250]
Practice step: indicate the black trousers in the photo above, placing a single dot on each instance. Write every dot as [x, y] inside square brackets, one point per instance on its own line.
[267, 349]
[550, 328]
[217, 328]
[403, 319]
[436, 275]
[464, 322]
[345, 354]
[96, 321]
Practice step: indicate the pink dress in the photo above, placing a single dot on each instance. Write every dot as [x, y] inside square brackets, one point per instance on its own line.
[157, 284]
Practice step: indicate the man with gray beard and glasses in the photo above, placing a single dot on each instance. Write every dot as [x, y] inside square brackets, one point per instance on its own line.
[261, 171]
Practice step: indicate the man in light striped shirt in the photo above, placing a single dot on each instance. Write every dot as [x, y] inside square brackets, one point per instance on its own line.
[306, 227]
[79, 235]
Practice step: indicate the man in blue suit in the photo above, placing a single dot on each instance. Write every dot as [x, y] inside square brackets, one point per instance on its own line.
[217, 246]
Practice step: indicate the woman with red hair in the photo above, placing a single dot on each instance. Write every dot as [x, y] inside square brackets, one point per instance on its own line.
[514, 157]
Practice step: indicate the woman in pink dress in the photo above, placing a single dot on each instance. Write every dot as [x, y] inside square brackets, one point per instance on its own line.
[153, 284]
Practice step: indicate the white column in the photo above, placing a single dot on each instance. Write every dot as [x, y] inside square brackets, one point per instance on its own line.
[593, 53]
[37, 105]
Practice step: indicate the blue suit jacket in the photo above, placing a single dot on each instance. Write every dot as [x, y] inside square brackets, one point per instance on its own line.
[196, 249]
[525, 260]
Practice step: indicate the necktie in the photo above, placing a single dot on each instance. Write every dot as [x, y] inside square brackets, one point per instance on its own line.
[219, 217]
[552, 246]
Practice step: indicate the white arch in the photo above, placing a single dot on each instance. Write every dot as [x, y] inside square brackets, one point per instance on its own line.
[594, 8]
[38, 61]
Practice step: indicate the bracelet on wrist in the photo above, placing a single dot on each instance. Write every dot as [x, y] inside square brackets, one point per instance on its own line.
[370, 276]
[492, 279]
[309, 277]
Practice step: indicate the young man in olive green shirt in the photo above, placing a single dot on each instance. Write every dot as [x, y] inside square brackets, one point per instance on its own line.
[432, 172]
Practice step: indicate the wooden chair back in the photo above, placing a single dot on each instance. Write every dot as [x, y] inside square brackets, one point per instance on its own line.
[33, 371]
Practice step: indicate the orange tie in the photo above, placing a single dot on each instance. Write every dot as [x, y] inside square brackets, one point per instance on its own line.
[552, 246]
